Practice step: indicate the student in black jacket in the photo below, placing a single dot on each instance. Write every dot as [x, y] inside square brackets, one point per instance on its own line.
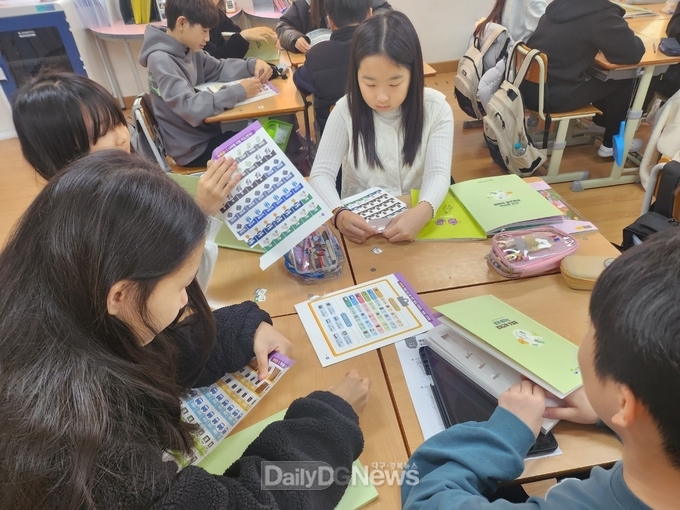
[237, 45]
[570, 33]
[302, 17]
[324, 73]
[104, 327]
[667, 83]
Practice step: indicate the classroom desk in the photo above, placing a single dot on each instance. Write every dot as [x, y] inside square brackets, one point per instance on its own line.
[237, 275]
[288, 101]
[548, 300]
[648, 30]
[120, 32]
[297, 59]
[433, 266]
[383, 443]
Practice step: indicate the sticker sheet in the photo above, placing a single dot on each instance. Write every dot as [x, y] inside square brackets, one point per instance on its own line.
[266, 90]
[272, 206]
[218, 408]
[362, 318]
[376, 206]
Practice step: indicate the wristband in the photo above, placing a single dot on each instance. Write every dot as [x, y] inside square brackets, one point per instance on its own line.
[336, 214]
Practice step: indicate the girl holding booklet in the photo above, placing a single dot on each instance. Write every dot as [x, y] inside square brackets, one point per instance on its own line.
[104, 326]
[389, 131]
[60, 117]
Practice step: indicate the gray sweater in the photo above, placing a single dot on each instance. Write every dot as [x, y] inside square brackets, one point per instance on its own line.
[180, 110]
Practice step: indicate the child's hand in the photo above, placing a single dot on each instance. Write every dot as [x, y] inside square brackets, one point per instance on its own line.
[577, 409]
[525, 400]
[302, 45]
[354, 227]
[258, 34]
[263, 71]
[408, 224]
[266, 341]
[251, 86]
[215, 185]
[354, 390]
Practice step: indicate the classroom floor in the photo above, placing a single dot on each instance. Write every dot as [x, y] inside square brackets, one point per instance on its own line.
[610, 209]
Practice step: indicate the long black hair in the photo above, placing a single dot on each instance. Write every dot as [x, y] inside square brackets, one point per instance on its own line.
[393, 36]
[78, 388]
[58, 116]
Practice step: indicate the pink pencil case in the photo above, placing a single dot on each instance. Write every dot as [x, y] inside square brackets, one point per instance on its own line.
[522, 253]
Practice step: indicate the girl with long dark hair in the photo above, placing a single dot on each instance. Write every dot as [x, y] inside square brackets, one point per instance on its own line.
[103, 326]
[389, 131]
[520, 17]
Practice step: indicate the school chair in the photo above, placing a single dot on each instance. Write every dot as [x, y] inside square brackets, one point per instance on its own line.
[146, 122]
[653, 189]
[538, 74]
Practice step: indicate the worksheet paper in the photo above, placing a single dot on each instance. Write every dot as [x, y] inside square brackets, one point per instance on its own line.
[266, 90]
[362, 318]
[218, 408]
[272, 206]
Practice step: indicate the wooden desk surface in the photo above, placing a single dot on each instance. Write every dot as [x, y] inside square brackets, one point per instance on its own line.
[288, 101]
[433, 266]
[582, 446]
[382, 438]
[650, 32]
[237, 275]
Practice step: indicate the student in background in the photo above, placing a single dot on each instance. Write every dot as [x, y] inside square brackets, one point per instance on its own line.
[60, 117]
[520, 17]
[571, 33]
[324, 72]
[177, 63]
[238, 44]
[629, 362]
[403, 131]
[92, 382]
[303, 16]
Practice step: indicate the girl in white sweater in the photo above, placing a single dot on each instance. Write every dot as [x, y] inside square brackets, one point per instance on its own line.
[520, 17]
[403, 131]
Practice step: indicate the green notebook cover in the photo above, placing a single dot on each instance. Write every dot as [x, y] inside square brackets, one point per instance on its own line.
[225, 237]
[505, 201]
[452, 222]
[232, 447]
[530, 344]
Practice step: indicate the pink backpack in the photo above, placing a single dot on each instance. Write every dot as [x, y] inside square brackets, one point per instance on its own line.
[521, 253]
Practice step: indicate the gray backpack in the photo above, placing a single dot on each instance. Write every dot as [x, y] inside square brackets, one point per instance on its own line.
[505, 129]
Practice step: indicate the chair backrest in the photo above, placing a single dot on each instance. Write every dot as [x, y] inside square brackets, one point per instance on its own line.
[537, 73]
[146, 122]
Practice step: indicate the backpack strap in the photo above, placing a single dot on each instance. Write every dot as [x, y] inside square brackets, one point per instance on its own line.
[524, 68]
[495, 34]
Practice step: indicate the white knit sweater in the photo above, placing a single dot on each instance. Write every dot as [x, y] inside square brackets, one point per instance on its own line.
[430, 172]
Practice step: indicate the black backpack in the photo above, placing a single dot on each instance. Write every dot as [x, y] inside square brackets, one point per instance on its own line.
[660, 215]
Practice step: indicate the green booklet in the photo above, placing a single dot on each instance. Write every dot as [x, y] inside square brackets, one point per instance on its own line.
[452, 222]
[505, 202]
[232, 447]
[517, 340]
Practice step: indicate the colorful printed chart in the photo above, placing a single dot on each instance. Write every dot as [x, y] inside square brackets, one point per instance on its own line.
[218, 408]
[272, 205]
[359, 319]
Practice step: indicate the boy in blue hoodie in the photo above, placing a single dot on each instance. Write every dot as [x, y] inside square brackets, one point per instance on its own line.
[630, 362]
[177, 63]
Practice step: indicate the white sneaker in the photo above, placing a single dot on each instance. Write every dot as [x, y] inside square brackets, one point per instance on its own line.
[608, 152]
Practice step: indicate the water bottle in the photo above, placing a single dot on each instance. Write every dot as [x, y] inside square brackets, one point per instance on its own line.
[519, 149]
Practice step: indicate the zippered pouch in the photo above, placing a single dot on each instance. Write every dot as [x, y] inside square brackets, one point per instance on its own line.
[522, 253]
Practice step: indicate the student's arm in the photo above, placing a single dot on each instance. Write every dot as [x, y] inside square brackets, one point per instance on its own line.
[293, 24]
[234, 47]
[439, 149]
[616, 40]
[229, 69]
[192, 106]
[321, 427]
[236, 326]
[303, 80]
[534, 11]
[459, 465]
[673, 28]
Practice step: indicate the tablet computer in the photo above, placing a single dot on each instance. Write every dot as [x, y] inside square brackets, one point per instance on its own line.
[460, 399]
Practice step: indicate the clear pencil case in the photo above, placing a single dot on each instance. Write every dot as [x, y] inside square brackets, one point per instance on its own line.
[318, 257]
[521, 253]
